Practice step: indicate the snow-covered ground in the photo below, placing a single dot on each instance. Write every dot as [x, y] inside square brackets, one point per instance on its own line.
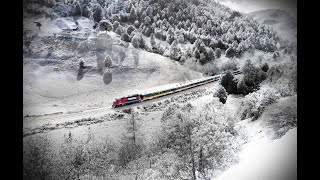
[51, 86]
[266, 159]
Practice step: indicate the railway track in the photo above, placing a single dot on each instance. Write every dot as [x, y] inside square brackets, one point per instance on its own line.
[137, 98]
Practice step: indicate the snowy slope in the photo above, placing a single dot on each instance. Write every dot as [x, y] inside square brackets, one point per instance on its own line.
[50, 81]
[268, 155]
[265, 159]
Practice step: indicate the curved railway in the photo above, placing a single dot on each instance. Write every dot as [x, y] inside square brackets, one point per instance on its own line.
[137, 98]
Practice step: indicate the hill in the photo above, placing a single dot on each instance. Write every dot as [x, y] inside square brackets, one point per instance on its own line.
[282, 22]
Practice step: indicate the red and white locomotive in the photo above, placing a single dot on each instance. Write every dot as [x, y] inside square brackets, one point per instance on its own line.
[127, 100]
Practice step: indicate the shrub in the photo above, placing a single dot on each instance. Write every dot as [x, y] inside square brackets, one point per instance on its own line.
[124, 17]
[148, 31]
[262, 75]
[217, 52]
[78, 9]
[242, 88]
[119, 30]
[147, 21]
[135, 41]
[175, 52]
[229, 65]
[222, 95]
[115, 18]
[229, 83]
[133, 15]
[230, 52]
[81, 64]
[97, 16]
[260, 100]
[108, 61]
[265, 67]
[130, 29]
[125, 37]
[136, 24]
[86, 12]
[105, 25]
[115, 25]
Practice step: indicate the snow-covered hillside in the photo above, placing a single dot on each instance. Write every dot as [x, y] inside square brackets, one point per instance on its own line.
[266, 159]
[282, 22]
[51, 67]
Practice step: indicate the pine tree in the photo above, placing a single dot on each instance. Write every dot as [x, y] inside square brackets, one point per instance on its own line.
[153, 42]
[97, 16]
[217, 53]
[130, 29]
[175, 52]
[222, 95]
[229, 83]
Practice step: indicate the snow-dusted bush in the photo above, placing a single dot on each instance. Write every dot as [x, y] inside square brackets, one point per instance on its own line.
[153, 41]
[276, 55]
[135, 41]
[108, 61]
[119, 30]
[209, 69]
[262, 75]
[115, 18]
[229, 83]
[217, 53]
[133, 15]
[147, 21]
[147, 31]
[115, 25]
[136, 24]
[63, 9]
[242, 88]
[229, 65]
[107, 77]
[265, 67]
[105, 25]
[78, 9]
[125, 37]
[130, 29]
[260, 99]
[97, 13]
[124, 17]
[175, 52]
[86, 11]
[230, 52]
[222, 95]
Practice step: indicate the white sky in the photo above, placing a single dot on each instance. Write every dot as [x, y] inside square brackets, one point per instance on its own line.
[248, 6]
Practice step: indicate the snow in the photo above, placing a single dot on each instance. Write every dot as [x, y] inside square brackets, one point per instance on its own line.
[265, 159]
[55, 100]
[53, 87]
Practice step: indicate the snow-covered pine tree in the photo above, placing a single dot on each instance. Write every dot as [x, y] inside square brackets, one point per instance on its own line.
[175, 52]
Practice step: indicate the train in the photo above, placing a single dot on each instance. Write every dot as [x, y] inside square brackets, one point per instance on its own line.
[136, 98]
